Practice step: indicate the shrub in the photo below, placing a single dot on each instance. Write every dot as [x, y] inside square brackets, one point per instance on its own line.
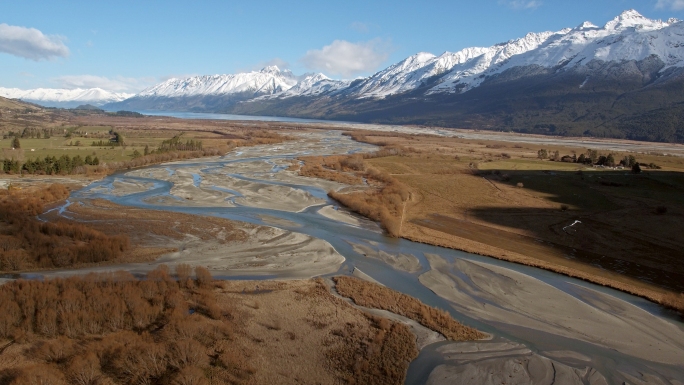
[203, 276]
[28, 242]
[158, 343]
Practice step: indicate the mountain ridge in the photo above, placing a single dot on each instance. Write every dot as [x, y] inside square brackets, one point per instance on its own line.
[59, 97]
[586, 80]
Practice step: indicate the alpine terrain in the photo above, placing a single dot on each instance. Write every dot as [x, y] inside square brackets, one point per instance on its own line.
[623, 80]
[50, 97]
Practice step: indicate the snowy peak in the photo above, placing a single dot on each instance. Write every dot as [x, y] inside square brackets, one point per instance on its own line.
[56, 97]
[313, 85]
[633, 19]
[270, 70]
[268, 80]
[586, 25]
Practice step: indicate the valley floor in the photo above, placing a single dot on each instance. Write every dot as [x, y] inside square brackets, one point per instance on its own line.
[495, 198]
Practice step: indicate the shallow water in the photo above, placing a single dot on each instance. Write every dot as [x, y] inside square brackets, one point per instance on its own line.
[626, 315]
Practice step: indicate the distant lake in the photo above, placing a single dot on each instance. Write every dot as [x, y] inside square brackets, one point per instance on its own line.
[204, 115]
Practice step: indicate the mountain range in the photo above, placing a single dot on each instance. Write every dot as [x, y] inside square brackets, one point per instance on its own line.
[623, 80]
[51, 97]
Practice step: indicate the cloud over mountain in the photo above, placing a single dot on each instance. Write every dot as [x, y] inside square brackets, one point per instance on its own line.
[347, 59]
[675, 5]
[118, 84]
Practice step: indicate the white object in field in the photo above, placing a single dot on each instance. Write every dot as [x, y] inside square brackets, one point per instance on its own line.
[574, 223]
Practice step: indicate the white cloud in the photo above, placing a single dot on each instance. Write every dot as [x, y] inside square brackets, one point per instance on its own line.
[360, 27]
[675, 5]
[347, 59]
[521, 4]
[118, 84]
[30, 43]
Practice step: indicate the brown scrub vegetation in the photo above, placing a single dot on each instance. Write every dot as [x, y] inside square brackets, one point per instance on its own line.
[369, 294]
[112, 328]
[26, 242]
[384, 204]
[674, 301]
[328, 168]
[172, 329]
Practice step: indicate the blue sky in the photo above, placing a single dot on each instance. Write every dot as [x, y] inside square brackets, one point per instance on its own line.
[129, 45]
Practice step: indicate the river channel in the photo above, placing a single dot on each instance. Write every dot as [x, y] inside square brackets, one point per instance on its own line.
[545, 327]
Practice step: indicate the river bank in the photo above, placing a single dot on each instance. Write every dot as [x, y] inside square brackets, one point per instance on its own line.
[481, 292]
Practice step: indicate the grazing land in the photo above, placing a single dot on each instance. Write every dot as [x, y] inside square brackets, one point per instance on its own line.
[500, 199]
[43, 141]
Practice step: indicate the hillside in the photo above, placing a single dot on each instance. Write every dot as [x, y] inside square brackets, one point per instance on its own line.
[622, 80]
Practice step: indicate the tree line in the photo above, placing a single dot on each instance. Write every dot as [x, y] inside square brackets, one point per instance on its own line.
[50, 165]
[115, 329]
[592, 157]
[31, 133]
[175, 144]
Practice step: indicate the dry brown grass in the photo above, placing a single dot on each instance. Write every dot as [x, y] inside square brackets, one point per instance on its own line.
[372, 295]
[330, 168]
[464, 196]
[673, 301]
[300, 333]
[316, 171]
[384, 204]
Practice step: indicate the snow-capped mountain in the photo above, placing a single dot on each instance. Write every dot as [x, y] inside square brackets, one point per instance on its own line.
[312, 85]
[54, 97]
[212, 92]
[629, 36]
[269, 80]
[586, 80]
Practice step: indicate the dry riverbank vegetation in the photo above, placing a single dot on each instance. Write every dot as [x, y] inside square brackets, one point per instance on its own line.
[27, 243]
[500, 199]
[372, 295]
[173, 329]
[383, 202]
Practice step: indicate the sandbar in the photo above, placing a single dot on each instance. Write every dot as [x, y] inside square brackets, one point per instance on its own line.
[497, 294]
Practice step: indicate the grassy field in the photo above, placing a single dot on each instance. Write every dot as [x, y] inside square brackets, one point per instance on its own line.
[57, 132]
[498, 199]
[82, 145]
